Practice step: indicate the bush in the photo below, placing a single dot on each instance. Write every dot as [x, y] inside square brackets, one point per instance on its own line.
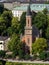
[0, 63]
[35, 56]
[13, 55]
[27, 56]
[43, 55]
[47, 55]
[8, 56]
[2, 54]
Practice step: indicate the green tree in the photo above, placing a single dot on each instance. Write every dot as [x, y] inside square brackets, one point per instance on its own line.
[21, 48]
[2, 54]
[45, 11]
[13, 43]
[47, 20]
[2, 25]
[1, 8]
[23, 21]
[15, 25]
[7, 15]
[40, 22]
[43, 55]
[23, 51]
[39, 45]
[9, 31]
[5, 22]
[47, 33]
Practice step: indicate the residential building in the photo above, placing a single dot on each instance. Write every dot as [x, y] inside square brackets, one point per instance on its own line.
[4, 42]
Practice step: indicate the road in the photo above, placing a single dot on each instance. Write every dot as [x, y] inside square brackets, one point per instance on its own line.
[22, 61]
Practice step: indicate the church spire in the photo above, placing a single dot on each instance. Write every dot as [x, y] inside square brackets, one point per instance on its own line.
[28, 13]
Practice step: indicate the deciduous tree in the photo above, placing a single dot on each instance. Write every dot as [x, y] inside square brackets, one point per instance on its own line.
[39, 45]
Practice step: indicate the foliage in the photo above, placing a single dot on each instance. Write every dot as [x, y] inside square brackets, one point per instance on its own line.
[47, 20]
[39, 45]
[27, 56]
[7, 15]
[22, 21]
[13, 43]
[43, 55]
[47, 33]
[1, 8]
[45, 11]
[15, 25]
[8, 56]
[2, 25]
[40, 20]
[2, 62]
[9, 31]
[23, 51]
[5, 22]
[2, 53]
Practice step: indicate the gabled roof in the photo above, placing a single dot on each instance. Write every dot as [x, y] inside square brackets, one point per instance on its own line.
[35, 31]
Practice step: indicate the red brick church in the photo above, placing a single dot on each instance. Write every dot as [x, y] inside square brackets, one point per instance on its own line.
[31, 33]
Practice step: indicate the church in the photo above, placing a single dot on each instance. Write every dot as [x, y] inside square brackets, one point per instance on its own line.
[31, 33]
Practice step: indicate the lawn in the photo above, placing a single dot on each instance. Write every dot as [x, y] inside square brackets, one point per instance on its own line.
[10, 63]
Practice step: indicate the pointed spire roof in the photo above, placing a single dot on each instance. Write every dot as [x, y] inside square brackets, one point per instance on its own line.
[28, 10]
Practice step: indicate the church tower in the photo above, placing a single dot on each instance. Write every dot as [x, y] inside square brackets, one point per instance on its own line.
[28, 28]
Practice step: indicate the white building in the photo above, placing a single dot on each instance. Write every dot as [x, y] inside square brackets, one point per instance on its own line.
[18, 10]
[1, 45]
[3, 42]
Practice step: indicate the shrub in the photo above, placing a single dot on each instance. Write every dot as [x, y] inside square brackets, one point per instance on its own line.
[43, 55]
[8, 56]
[27, 56]
[2, 54]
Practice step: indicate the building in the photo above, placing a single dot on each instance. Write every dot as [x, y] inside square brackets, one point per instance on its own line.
[18, 10]
[3, 42]
[31, 33]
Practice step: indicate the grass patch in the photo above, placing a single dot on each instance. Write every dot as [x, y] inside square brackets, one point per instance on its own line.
[14, 63]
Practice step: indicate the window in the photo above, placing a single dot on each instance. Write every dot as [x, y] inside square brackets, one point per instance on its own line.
[1, 46]
[28, 22]
[0, 42]
[28, 40]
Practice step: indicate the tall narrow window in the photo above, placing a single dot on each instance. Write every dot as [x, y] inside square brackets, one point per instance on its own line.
[28, 40]
[28, 22]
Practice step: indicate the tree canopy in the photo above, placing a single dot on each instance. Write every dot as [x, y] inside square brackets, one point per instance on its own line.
[39, 45]
[15, 25]
[1, 8]
[22, 21]
[13, 43]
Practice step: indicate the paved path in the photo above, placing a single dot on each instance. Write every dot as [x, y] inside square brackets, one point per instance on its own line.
[19, 61]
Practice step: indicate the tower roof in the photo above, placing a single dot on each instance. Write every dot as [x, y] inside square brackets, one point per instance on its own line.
[28, 13]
